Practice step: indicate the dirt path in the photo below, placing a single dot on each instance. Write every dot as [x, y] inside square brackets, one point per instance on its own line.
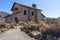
[15, 34]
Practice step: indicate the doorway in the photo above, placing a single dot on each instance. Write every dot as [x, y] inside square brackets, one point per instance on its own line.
[16, 20]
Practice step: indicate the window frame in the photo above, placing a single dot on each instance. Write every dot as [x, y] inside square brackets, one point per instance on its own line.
[16, 8]
[32, 13]
[25, 12]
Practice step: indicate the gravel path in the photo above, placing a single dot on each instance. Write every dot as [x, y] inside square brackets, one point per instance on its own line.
[15, 34]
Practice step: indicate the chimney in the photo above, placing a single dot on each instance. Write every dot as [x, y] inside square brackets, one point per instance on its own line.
[34, 5]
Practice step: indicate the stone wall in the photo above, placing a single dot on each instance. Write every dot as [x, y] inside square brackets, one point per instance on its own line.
[20, 14]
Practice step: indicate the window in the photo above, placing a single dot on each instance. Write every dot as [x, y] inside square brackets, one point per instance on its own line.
[16, 8]
[24, 12]
[32, 13]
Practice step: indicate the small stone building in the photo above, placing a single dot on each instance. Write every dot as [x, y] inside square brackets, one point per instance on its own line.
[25, 13]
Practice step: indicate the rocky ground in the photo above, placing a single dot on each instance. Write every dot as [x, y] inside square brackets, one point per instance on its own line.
[15, 34]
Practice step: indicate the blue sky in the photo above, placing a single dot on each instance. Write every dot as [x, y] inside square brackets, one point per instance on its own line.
[51, 8]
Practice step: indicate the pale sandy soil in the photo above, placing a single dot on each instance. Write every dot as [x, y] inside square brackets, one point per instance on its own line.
[15, 34]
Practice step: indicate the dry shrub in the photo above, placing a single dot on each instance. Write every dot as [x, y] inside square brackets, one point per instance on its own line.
[7, 25]
[41, 24]
[2, 23]
[35, 25]
[4, 26]
[22, 23]
[27, 24]
[51, 30]
[44, 27]
[13, 24]
[32, 23]
[3, 29]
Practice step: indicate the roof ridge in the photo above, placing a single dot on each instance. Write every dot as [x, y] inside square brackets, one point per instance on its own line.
[25, 6]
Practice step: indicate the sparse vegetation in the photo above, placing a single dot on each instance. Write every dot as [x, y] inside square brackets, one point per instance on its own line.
[42, 27]
[51, 21]
[5, 26]
[13, 24]
[33, 26]
[33, 29]
[22, 23]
